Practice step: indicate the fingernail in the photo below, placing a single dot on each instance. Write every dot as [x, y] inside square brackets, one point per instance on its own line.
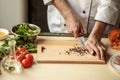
[103, 58]
[99, 58]
[91, 52]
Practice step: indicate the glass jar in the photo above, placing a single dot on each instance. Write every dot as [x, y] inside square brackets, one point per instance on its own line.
[10, 62]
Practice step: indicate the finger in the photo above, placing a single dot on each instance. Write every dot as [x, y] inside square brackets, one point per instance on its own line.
[76, 32]
[103, 48]
[69, 30]
[90, 50]
[82, 30]
[93, 45]
[101, 53]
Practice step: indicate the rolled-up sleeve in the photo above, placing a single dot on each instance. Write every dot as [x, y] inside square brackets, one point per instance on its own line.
[47, 2]
[108, 11]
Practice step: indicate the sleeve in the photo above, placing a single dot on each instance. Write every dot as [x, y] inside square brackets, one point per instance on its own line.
[47, 2]
[108, 11]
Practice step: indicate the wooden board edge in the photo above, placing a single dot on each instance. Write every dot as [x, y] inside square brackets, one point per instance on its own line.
[73, 62]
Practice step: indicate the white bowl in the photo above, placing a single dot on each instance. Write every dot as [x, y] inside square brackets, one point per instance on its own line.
[3, 33]
[31, 38]
[113, 65]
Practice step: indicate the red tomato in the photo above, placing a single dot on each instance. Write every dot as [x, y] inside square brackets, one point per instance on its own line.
[29, 57]
[20, 58]
[26, 63]
[22, 48]
[25, 52]
[17, 52]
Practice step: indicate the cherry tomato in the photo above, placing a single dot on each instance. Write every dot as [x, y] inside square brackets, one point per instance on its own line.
[17, 52]
[22, 48]
[29, 57]
[26, 63]
[20, 58]
[24, 56]
[25, 52]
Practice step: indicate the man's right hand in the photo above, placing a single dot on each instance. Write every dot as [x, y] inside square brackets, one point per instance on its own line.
[73, 25]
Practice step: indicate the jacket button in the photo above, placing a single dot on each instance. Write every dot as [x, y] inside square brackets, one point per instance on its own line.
[84, 11]
[64, 24]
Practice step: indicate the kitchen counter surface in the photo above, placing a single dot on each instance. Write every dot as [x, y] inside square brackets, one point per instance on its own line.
[62, 71]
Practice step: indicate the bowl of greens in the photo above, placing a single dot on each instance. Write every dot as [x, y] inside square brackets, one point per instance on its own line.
[25, 31]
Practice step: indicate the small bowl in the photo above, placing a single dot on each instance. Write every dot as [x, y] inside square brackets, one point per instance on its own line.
[3, 33]
[28, 38]
[113, 65]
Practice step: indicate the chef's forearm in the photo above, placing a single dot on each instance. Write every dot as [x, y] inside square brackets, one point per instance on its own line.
[108, 11]
[98, 29]
[64, 8]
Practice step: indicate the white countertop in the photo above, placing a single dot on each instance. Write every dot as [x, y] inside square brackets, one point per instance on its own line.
[59, 71]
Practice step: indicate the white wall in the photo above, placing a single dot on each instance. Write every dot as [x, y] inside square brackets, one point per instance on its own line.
[12, 12]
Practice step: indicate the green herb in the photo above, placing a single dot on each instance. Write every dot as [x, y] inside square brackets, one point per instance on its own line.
[19, 41]
[32, 50]
[24, 37]
[1, 51]
[25, 29]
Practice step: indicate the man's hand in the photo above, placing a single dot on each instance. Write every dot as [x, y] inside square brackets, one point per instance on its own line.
[95, 47]
[93, 43]
[73, 23]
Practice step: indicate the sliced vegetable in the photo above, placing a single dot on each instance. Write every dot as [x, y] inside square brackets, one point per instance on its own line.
[32, 50]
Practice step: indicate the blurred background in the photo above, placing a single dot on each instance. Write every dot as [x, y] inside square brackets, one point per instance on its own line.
[13, 12]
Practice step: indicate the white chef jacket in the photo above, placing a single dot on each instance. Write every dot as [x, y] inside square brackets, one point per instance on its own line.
[107, 11]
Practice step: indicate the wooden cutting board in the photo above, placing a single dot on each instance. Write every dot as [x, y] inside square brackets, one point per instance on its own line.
[62, 50]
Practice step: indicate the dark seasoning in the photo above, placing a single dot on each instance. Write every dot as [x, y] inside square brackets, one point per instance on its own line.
[75, 50]
[42, 49]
